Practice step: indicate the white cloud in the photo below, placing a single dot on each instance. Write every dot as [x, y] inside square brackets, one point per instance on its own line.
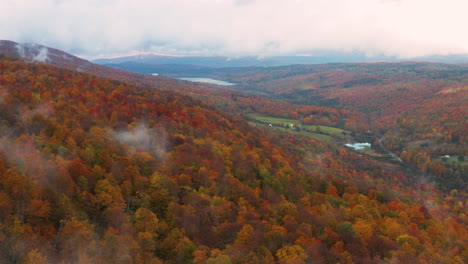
[239, 27]
[42, 56]
[27, 51]
[142, 138]
[139, 138]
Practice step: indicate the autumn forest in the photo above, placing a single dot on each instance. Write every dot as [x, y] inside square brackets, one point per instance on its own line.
[99, 166]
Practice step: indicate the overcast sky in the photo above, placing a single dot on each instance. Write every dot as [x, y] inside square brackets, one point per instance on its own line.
[403, 28]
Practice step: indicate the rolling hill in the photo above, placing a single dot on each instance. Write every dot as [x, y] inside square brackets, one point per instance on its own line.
[97, 170]
[419, 108]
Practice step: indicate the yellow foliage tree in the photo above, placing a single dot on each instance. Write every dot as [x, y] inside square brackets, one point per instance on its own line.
[363, 230]
[291, 254]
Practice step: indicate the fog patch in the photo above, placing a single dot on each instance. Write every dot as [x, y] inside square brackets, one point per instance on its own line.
[23, 154]
[45, 110]
[21, 50]
[67, 57]
[42, 55]
[144, 139]
[33, 52]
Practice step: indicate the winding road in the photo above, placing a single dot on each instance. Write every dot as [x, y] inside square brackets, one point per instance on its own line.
[388, 151]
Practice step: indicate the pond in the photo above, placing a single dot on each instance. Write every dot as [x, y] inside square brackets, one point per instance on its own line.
[358, 146]
[208, 80]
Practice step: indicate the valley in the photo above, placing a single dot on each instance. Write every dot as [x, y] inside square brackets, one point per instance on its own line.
[101, 165]
[233, 132]
[378, 153]
[403, 102]
[317, 132]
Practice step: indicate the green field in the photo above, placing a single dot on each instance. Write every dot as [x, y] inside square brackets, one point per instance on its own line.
[274, 120]
[327, 130]
[280, 123]
[317, 136]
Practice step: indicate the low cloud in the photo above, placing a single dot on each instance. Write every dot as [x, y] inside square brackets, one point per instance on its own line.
[403, 28]
[144, 139]
[42, 55]
[23, 154]
[45, 110]
[33, 52]
[21, 50]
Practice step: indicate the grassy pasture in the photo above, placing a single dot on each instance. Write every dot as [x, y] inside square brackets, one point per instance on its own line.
[311, 131]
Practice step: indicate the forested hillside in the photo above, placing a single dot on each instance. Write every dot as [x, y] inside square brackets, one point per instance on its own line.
[99, 171]
[419, 109]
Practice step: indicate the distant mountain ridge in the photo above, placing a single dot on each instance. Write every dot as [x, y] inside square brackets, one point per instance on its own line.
[321, 58]
[250, 61]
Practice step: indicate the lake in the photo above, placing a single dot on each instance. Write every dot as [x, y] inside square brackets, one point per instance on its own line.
[207, 80]
[358, 146]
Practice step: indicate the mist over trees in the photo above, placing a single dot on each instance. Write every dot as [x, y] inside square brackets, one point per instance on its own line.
[99, 171]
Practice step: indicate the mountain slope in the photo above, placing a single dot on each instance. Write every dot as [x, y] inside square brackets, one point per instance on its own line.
[226, 99]
[98, 171]
[420, 108]
[38, 53]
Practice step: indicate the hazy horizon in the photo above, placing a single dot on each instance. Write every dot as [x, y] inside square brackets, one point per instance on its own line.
[238, 28]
